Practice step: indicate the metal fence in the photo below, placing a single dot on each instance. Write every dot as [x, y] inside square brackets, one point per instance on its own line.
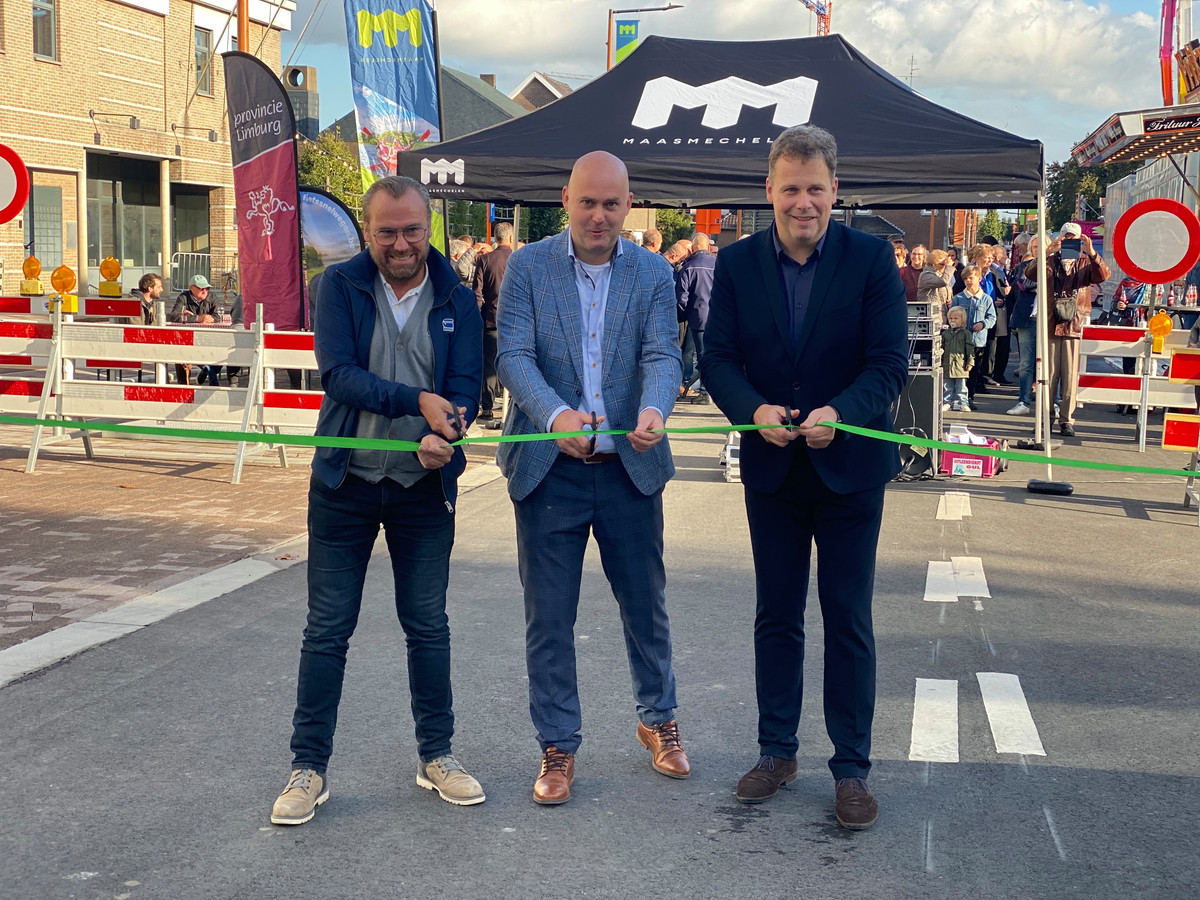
[220, 269]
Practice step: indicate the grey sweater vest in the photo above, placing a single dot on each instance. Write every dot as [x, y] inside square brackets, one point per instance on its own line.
[405, 357]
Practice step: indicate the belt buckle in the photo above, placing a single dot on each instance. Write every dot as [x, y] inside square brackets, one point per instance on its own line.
[589, 461]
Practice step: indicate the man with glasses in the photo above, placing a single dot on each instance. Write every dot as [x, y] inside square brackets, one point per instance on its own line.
[588, 339]
[400, 348]
[195, 307]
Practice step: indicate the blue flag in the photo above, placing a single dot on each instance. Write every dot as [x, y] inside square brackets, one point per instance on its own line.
[394, 76]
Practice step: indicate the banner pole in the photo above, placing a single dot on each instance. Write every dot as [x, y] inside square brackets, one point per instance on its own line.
[437, 71]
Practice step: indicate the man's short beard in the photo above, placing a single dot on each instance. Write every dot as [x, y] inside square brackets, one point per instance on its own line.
[394, 270]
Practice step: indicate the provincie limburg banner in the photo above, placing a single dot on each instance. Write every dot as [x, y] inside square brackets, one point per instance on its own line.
[262, 138]
[393, 70]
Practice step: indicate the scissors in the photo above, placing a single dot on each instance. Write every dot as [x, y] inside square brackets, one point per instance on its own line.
[592, 439]
[457, 423]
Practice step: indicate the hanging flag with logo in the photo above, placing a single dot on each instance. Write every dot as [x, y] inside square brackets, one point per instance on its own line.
[393, 71]
[626, 39]
[262, 138]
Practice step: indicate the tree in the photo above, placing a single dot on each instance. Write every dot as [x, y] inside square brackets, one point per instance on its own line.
[543, 221]
[991, 224]
[329, 163]
[1066, 181]
[675, 225]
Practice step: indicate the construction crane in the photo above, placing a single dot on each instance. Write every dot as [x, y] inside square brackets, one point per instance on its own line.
[823, 9]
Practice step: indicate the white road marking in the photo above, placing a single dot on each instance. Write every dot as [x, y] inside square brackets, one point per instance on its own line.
[935, 721]
[968, 575]
[928, 845]
[1062, 854]
[1013, 728]
[962, 576]
[940, 586]
[978, 606]
[954, 506]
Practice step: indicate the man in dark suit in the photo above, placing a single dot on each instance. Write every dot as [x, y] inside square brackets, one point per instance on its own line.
[489, 275]
[587, 338]
[807, 325]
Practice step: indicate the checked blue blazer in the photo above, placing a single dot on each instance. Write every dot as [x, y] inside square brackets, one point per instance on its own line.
[540, 358]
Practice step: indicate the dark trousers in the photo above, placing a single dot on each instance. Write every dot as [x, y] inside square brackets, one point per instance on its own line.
[342, 527]
[1002, 351]
[687, 348]
[845, 527]
[553, 524]
[493, 391]
[977, 373]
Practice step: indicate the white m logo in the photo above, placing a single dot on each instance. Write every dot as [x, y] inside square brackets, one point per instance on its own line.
[723, 101]
[442, 169]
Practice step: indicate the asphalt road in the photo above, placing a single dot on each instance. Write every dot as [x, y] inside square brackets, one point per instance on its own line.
[145, 768]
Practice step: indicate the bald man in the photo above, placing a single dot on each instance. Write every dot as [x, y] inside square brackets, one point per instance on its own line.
[594, 344]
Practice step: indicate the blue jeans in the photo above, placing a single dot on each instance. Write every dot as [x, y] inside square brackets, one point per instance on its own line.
[342, 527]
[1027, 344]
[553, 524]
[955, 392]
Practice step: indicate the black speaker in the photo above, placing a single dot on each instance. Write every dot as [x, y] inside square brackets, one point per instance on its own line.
[919, 412]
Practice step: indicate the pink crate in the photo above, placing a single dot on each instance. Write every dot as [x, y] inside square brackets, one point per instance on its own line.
[955, 462]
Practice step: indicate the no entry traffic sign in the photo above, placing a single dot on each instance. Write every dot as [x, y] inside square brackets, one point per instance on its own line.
[14, 184]
[1157, 241]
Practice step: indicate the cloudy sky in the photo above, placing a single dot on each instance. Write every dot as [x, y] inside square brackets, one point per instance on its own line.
[1046, 69]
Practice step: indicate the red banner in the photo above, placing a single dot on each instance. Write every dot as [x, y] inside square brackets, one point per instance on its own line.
[262, 131]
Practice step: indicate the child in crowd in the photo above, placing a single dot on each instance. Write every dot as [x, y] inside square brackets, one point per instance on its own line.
[958, 358]
[981, 315]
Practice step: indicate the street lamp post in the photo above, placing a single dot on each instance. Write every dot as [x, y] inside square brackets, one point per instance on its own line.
[616, 12]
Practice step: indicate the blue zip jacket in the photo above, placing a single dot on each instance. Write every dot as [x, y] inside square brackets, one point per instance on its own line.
[345, 321]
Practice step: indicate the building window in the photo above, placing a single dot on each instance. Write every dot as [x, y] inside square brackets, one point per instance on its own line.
[203, 61]
[45, 29]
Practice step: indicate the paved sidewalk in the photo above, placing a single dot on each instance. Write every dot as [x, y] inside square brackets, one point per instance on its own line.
[83, 536]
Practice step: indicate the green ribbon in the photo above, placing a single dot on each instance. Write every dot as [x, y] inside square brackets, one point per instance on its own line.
[313, 440]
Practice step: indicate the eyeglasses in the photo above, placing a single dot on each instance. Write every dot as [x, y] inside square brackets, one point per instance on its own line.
[412, 234]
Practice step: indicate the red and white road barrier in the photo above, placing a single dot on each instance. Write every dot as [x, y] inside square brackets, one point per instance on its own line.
[1126, 390]
[26, 347]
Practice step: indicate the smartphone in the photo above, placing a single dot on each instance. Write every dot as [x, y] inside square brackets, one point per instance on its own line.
[1070, 248]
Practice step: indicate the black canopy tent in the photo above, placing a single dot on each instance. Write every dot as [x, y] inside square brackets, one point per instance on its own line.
[693, 121]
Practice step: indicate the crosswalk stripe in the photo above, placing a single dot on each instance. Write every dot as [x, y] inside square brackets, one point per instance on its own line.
[1012, 724]
[940, 586]
[968, 576]
[962, 576]
[953, 506]
[935, 721]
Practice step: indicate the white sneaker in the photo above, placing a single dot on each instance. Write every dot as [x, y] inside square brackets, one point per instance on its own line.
[447, 776]
[945, 407]
[1019, 410]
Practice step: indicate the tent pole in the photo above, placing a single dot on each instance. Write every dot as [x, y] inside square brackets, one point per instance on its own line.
[1045, 403]
[516, 223]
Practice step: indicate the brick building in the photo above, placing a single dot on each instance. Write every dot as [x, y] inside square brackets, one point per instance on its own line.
[117, 108]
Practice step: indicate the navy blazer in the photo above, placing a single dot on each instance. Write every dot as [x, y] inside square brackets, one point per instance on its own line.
[345, 321]
[852, 354]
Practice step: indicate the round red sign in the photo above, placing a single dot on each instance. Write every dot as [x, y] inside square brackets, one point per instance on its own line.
[14, 184]
[1157, 241]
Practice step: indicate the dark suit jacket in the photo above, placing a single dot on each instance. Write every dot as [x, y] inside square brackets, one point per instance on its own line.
[852, 354]
[489, 275]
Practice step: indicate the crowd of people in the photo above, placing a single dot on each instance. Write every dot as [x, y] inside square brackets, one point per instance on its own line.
[990, 299]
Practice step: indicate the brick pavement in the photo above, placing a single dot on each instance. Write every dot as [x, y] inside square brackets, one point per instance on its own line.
[81, 536]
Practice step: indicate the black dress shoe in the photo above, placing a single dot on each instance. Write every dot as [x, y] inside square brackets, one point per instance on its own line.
[1066, 429]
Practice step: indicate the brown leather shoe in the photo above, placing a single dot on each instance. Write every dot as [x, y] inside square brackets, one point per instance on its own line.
[553, 785]
[663, 742]
[764, 780]
[855, 806]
